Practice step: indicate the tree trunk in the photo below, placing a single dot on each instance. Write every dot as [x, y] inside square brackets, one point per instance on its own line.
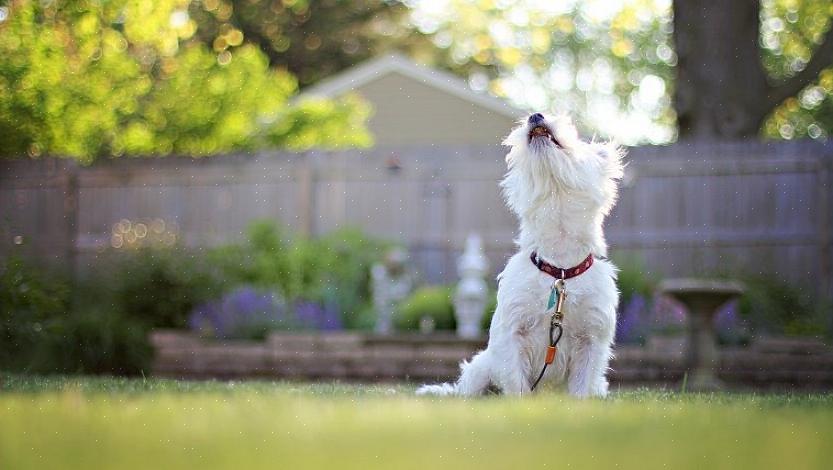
[721, 84]
[722, 89]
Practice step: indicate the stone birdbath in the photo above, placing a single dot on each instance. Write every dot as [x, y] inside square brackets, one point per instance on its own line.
[702, 297]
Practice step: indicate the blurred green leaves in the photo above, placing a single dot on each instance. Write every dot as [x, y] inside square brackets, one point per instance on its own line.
[791, 32]
[86, 79]
[312, 39]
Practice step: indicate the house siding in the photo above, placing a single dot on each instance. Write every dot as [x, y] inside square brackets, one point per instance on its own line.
[409, 112]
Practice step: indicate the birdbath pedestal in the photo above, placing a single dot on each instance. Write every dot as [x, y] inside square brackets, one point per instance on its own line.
[702, 297]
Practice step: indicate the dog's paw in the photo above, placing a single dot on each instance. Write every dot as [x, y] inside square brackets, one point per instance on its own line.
[439, 390]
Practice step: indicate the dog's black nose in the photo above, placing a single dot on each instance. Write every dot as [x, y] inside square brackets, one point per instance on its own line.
[536, 118]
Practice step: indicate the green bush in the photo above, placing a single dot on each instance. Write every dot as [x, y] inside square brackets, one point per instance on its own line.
[489, 311]
[29, 301]
[42, 330]
[156, 286]
[342, 272]
[97, 342]
[633, 279]
[333, 269]
[433, 301]
[264, 260]
[774, 306]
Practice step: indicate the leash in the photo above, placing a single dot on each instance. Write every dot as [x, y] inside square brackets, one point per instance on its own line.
[557, 295]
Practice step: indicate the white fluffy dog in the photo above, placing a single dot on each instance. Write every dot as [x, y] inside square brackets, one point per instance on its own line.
[561, 188]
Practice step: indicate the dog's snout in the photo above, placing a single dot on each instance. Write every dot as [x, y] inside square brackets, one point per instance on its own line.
[536, 118]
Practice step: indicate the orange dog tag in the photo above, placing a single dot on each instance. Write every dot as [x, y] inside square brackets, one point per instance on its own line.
[551, 350]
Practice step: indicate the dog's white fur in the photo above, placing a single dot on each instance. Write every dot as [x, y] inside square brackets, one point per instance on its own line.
[561, 194]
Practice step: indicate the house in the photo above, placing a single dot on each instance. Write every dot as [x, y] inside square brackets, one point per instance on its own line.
[415, 105]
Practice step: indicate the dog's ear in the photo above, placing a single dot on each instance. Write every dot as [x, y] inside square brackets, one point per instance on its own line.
[565, 129]
[611, 155]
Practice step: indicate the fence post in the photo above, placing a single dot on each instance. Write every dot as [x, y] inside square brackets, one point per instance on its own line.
[306, 194]
[825, 180]
[70, 214]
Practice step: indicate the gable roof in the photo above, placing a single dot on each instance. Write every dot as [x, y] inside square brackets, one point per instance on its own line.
[372, 69]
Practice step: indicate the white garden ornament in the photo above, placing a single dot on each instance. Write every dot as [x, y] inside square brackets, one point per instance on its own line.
[391, 284]
[472, 291]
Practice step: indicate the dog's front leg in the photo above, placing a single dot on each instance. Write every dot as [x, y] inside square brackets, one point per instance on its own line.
[588, 366]
[512, 374]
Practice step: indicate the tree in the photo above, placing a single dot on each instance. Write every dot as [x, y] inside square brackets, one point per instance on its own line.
[724, 88]
[635, 68]
[88, 79]
[311, 39]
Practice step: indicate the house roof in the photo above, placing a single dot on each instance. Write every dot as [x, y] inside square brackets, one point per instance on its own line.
[372, 69]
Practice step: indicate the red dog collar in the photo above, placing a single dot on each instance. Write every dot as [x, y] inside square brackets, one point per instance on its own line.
[561, 273]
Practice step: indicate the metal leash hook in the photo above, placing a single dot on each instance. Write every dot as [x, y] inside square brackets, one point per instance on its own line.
[557, 296]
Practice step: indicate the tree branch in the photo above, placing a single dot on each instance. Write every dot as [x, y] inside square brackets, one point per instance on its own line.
[822, 58]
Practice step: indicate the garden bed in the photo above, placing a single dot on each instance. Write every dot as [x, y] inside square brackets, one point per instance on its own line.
[769, 363]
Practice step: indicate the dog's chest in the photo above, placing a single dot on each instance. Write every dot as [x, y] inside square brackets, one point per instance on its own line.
[578, 314]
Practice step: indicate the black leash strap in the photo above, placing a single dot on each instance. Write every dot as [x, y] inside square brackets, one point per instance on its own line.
[555, 336]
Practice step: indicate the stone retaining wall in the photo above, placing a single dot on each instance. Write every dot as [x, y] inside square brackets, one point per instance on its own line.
[770, 363]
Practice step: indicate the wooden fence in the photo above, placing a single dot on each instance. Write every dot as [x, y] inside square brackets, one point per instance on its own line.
[684, 209]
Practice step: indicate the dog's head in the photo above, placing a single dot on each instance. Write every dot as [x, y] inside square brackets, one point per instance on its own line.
[547, 160]
[543, 135]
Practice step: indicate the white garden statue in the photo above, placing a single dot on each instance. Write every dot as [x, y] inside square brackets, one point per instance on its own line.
[472, 291]
[391, 284]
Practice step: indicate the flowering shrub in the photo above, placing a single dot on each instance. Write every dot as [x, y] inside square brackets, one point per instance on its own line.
[243, 313]
[317, 316]
[632, 326]
[248, 313]
[331, 271]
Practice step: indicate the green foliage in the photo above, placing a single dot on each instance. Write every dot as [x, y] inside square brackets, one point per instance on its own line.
[333, 269]
[95, 341]
[133, 290]
[489, 311]
[774, 306]
[592, 58]
[311, 39]
[86, 79]
[29, 302]
[42, 331]
[633, 278]
[263, 261]
[432, 301]
[791, 32]
[344, 259]
[157, 287]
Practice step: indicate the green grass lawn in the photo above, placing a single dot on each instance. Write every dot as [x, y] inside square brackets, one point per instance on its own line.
[85, 422]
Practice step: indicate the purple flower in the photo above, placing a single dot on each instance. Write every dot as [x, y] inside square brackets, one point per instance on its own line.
[667, 314]
[249, 313]
[317, 316]
[242, 313]
[631, 327]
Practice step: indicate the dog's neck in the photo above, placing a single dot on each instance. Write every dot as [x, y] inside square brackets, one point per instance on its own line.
[563, 233]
